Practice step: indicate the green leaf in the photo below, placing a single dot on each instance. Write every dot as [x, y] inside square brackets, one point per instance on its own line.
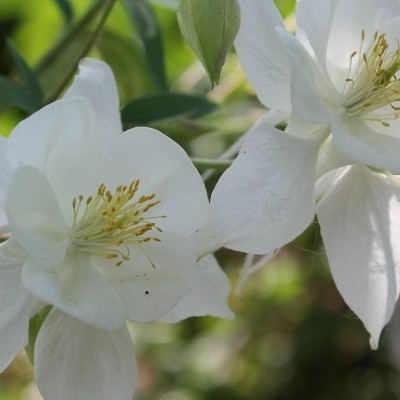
[152, 108]
[33, 92]
[210, 27]
[66, 9]
[150, 35]
[11, 94]
[59, 64]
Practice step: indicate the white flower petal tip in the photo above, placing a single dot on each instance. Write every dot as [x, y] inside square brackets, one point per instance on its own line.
[359, 217]
[262, 55]
[209, 296]
[373, 344]
[36, 220]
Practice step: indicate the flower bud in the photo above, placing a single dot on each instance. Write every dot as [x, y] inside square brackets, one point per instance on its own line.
[209, 27]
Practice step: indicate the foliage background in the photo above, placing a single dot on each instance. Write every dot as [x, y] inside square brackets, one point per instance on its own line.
[293, 337]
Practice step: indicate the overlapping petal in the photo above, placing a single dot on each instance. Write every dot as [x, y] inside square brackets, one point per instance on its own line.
[37, 223]
[157, 277]
[76, 361]
[266, 198]
[75, 287]
[96, 83]
[208, 296]
[314, 19]
[308, 81]
[349, 20]
[357, 140]
[261, 53]
[163, 169]
[32, 140]
[360, 225]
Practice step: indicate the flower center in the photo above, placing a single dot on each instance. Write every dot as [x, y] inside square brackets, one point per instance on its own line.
[106, 223]
[373, 90]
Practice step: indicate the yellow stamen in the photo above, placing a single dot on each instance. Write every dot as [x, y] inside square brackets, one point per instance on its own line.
[373, 84]
[105, 224]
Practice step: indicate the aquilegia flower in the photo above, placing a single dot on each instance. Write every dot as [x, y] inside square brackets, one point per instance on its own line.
[102, 228]
[338, 78]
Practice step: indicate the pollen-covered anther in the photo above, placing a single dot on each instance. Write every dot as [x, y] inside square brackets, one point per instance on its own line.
[373, 90]
[107, 223]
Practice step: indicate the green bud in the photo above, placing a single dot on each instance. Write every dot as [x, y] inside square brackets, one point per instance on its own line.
[209, 27]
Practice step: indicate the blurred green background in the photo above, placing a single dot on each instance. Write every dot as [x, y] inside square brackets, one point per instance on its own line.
[293, 337]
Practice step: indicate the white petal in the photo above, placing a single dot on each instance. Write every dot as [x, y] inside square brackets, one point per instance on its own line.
[33, 139]
[361, 142]
[150, 291]
[261, 53]
[35, 218]
[96, 83]
[77, 289]
[385, 10]
[16, 304]
[76, 361]
[73, 167]
[391, 29]
[266, 198]
[360, 224]
[163, 169]
[330, 158]
[328, 180]
[314, 18]
[307, 82]
[350, 19]
[208, 297]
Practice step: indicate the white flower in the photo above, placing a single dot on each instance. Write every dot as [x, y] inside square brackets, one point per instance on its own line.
[338, 77]
[346, 75]
[102, 227]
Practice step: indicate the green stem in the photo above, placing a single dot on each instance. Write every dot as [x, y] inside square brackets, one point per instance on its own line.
[82, 53]
[203, 163]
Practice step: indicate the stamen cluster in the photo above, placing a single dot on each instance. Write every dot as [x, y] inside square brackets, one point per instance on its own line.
[107, 221]
[373, 82]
